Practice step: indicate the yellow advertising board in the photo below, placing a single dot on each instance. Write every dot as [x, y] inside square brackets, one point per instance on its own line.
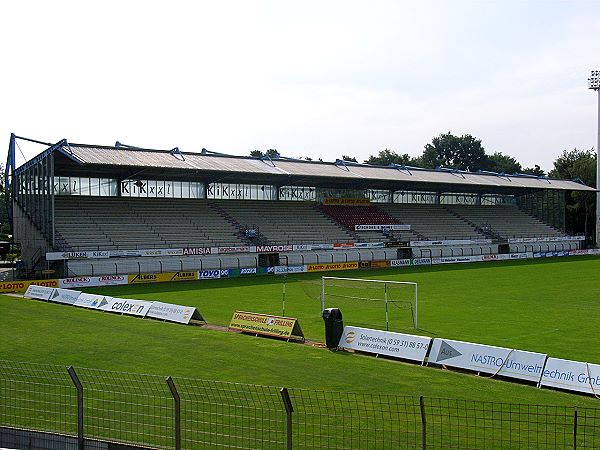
[331, 266]
[21, 286]
[162, 277]
[345, 201]
[267, 325]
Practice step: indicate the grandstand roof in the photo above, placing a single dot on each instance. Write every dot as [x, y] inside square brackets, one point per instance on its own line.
[127, 162]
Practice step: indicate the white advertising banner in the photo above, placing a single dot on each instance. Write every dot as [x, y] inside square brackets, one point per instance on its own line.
[56, 256]
[394, 227]
[398, 345]
[125, 306]
[170, 312]
[450, 242]
[506, 362]
[400, 262]
[92, 301]
[457, 259]
[211, 273]
[38, 292]
[65, 296]
[282, 270]
[545, 239]
[572, 375]
[106, 280]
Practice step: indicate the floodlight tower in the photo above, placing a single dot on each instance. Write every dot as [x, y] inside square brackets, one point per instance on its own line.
[594, 83]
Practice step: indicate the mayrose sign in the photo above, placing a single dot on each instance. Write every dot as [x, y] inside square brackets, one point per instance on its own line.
[398, 345]
[572, 375]
[488, 359]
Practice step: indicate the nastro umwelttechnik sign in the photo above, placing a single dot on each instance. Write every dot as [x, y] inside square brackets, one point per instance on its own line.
[506, 362]
[572, 375]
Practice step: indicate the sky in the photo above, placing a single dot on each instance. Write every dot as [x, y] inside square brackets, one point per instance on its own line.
[317, 79]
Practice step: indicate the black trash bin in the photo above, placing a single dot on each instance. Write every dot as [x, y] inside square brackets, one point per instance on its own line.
[334, 327]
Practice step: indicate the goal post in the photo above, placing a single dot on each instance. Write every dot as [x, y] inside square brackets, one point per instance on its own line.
[389, 294]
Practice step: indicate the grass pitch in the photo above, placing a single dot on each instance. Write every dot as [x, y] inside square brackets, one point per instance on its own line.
[550, 306]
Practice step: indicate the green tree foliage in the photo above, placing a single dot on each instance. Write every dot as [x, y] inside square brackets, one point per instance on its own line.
[503, 164]
[349, 158]
[271, 153]
[535, 170]
[460, 152]
[387, 157]
[578, 165]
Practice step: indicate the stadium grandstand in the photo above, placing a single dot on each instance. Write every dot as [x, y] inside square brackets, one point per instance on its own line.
[81, 210]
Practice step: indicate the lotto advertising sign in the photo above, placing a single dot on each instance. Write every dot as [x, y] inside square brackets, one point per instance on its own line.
[276, 326]
[506, 362]
[21, 286]
[572, 375]
[397, 345]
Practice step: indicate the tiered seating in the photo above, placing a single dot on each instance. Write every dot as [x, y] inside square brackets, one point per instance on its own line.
[432, 222]
[505, 221]
[285, 222]
[350, 216]
[92, 223]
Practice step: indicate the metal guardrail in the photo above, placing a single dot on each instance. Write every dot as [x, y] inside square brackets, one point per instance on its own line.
[150, 411]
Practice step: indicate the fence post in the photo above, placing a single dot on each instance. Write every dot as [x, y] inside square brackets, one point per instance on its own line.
[289, 409]
[423, 423]
[575, 428]
[79, 387]
[177, 401]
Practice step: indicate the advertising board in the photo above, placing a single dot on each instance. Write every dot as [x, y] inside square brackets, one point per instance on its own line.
[488, 359]
[397, 345]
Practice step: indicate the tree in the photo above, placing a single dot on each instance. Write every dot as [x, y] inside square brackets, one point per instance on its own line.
[349, 158]
[579, 165]
[271, 153]
[460, 152]
[535, 170]
[503, 164]
[387, 157]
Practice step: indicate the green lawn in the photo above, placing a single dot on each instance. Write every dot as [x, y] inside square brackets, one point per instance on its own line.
[548, 306]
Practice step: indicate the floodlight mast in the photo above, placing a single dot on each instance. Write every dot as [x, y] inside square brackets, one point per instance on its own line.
[594, 84]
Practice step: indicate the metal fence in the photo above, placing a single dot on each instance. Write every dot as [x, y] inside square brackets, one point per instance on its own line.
[71, 407]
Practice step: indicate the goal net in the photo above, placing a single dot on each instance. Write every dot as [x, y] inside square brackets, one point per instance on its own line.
[374, 303]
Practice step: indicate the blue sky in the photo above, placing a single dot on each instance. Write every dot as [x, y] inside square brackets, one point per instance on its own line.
[310, 78]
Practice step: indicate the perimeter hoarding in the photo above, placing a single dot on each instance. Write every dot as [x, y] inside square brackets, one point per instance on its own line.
[506, 362]
[21, 286]
[65, 296]
[331, 266]
[91, 301]
[397, 345]
[126, 306]
[38, 292]
[572, 375]
[162, 277]
[174, 313]
[267, 325]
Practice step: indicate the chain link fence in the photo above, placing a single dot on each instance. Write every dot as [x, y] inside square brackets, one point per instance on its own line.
[48, 407]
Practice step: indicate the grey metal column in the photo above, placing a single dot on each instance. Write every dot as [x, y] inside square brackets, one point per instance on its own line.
[594, 84]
